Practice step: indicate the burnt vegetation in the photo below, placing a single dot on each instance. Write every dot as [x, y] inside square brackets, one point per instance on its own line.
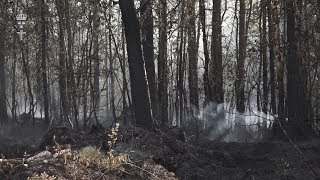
[159, 89]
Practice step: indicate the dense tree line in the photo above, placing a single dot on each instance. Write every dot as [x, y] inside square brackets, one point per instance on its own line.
[85, 62]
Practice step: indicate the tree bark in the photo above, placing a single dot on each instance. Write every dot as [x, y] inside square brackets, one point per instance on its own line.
[298, 114]
[44, 62]
[216, 69]
[70, 63]
[62, 62]
[193, 57]
[3, 99]
[240, 99]
[206, 81]
[96, 64]
[271, 58]
[148, 52]
[279, 67]
[139, 87]
[264, 59]
[162, 64]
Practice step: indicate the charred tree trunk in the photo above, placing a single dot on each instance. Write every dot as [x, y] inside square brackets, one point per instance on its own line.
[112, 72]
[139, 87]
[3, 100]
[216, 69]
[162, 64]
[298, 114]
[148, 52]
[239, 86]
[193, 57]
[62, 62]
[180, 73]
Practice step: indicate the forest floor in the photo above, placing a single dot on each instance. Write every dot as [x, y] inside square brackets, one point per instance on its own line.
[141, 154]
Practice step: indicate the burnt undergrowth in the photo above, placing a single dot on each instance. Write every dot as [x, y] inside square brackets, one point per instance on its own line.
[143, 154]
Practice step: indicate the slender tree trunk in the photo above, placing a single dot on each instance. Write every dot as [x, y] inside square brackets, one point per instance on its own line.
[180, 73]
[14, 80]
[279, 66]
[264, 59]
[206, 81]
[272, 58]
[139, 87]
[3, 100]
[44, 62]
[240, 100]
[96, 64]
[148, 52]
[112, 72]
[162, 64]
[216, 69]
[193, 57]
[70, 63]
[62, 62]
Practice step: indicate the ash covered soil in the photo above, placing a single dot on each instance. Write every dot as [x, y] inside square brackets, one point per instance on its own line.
[142, 154]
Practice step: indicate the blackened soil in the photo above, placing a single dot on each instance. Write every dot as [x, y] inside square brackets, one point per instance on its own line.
[201, 160]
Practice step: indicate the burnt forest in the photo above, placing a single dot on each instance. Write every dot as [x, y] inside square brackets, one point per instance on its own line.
[160, 89]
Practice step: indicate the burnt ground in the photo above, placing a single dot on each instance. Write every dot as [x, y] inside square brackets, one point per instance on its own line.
[153, 155]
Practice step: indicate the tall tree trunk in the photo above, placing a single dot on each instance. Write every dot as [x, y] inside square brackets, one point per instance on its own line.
[112, 73]
[70, 63]
[180, 73]
[298, 115]
[62, 62]
[272, 58]
[3, 100]
[239, 86]
[14, 80]
[162, 64]
[206, 81]
[44, 62]
[193, 57]
[216, 69]
[264, 59]
[96, 64]
[279, 66]
[148, 52]
[139, 87]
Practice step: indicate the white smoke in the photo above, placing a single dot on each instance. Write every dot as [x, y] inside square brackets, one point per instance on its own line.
[232, 126]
